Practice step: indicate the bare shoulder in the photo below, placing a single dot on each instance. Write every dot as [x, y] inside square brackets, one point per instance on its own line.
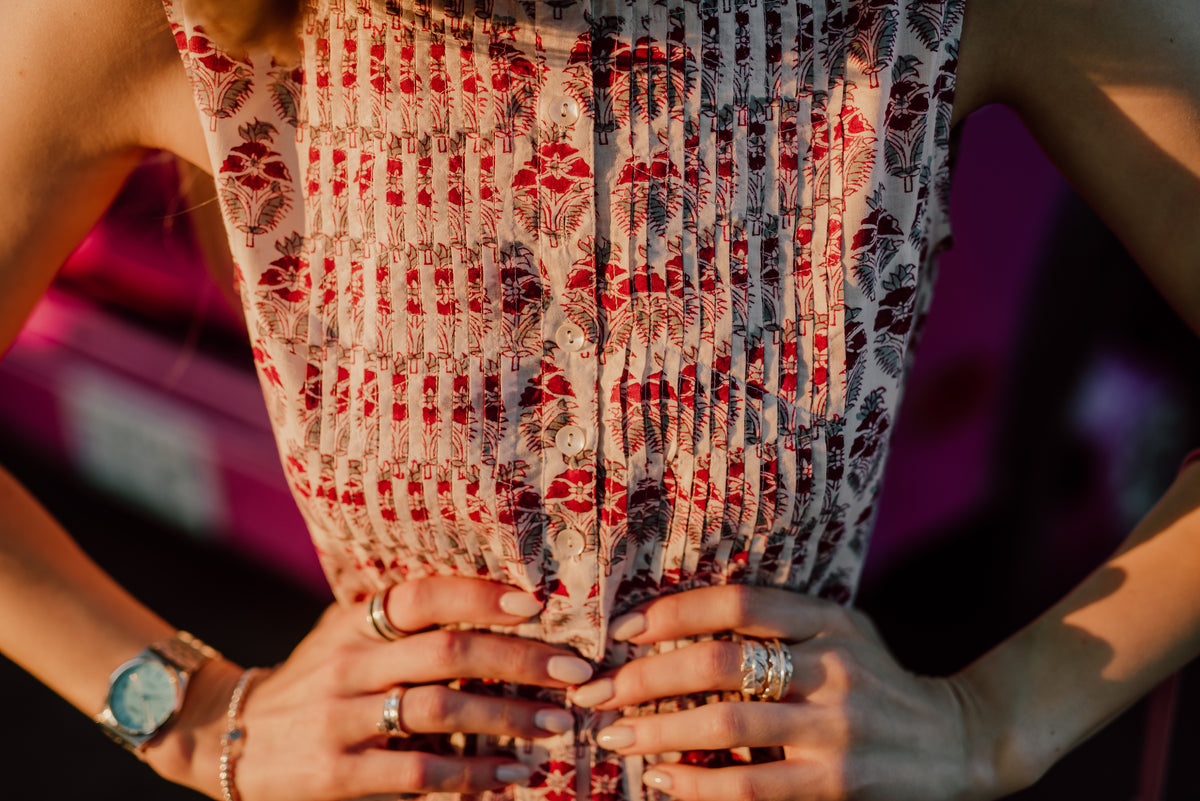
[86, 88]
[1111, 91]
[1016, 51]
[104, 74]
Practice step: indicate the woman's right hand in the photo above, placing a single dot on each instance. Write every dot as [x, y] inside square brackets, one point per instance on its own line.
[311, 725]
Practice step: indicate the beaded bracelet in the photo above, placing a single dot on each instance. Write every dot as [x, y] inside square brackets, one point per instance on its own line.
[233, 734]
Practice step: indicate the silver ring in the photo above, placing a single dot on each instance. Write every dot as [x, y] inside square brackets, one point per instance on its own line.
[779, 672]
[377, 615]
[755, 667]
[389, 723]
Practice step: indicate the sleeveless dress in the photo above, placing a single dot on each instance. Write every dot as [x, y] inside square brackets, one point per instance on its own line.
[602, 298]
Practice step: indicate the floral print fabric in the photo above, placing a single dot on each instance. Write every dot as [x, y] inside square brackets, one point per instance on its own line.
[602, 298]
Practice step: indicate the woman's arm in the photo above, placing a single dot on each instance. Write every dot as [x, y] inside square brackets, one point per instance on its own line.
[1133, 622]
[1111, 91]
[88, 89]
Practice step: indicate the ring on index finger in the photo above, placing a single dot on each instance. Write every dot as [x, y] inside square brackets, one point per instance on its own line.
[378, 617]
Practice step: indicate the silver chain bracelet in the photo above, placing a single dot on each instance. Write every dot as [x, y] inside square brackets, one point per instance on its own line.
[234, 733]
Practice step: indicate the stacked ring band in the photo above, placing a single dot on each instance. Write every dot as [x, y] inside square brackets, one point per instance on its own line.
[754, 667]
[377, 615]
[389, 723]
[766, 669]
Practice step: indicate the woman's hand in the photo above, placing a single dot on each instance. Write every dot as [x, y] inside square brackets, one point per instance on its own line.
[241, 25]
[854, 725]
[311, 724]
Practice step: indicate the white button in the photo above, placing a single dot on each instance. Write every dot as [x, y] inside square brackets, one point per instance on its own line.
[570, 337]
[570, 440]
[562, 110]
[569, 542]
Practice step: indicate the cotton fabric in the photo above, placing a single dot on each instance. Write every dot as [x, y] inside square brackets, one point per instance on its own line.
[602, 298]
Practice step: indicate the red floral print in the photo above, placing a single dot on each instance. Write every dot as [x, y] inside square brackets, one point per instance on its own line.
[598, 299]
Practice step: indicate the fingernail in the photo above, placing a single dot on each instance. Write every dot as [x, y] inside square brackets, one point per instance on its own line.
[593, 694]
[657, 779]
[627, 626]
[569, 669]
[555, 720]
[512, 774]
[520, 604]
[615, 737]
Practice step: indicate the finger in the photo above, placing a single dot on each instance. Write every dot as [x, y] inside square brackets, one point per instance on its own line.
[788, 780]
[756, 611]
[734, 724]
[444, 655]
[434, 709]
[375, 770]
[711, 666]
[441, 600]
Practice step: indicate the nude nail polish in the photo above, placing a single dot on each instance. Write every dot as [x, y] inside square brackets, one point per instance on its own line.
[627, 626]
[569, 669]
[615, 737]
[520, 604]
[657, 779]
[593, 693]
[555, 720]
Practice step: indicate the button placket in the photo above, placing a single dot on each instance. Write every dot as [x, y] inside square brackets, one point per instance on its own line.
[567, 192]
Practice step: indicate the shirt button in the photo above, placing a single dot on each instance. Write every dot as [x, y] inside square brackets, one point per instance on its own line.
[570, 337]
[562, 110]
[570, 440]
[570, 542]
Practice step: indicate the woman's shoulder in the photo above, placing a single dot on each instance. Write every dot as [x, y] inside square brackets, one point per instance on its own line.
[86, 89]
[98, 76]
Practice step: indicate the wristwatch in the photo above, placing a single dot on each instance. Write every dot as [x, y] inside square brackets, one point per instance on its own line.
[145, 693]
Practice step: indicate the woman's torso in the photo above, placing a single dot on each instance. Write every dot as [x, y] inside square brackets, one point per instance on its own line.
[605, 299]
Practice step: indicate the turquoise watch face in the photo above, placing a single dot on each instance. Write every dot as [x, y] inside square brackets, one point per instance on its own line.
[142, 696]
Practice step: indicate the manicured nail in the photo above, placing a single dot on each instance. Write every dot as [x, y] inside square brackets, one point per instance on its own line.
[594, 693]
[569, 669]
[657, 779]
[627, 626]
[512, 774]
[615, 737]
[520, 604]
[555, 720]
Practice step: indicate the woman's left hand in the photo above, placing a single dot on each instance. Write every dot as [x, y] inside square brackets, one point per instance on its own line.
[853, 725]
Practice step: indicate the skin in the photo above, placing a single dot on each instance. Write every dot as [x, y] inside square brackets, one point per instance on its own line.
[1111, 90]
[247, 25]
